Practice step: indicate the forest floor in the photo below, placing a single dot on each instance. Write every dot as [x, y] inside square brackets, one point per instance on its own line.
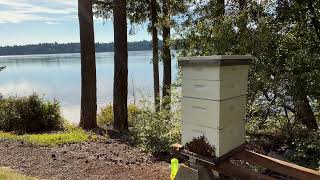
[95, 159]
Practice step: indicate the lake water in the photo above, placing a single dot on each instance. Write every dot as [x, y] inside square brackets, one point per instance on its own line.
[57, 76]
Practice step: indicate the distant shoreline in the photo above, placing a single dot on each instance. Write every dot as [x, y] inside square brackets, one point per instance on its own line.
[68, 48]
[78, 53]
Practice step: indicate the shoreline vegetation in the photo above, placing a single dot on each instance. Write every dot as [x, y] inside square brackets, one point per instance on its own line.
[65, 48]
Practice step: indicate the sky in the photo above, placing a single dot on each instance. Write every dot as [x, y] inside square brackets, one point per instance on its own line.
[46, 21]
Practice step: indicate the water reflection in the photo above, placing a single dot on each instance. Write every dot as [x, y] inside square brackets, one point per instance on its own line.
[58, 76]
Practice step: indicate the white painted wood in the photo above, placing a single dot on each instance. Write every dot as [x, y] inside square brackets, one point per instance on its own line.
[232, 113]
[214, 114]
[230, 138]
[201, 72]
[223, 140]
[201, 112]
[215, 57]
[214, 101]
[190, 131]
[214, 90]
[234, 72]
[215, 73]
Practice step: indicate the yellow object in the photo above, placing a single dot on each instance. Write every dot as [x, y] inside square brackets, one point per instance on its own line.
[174, 168]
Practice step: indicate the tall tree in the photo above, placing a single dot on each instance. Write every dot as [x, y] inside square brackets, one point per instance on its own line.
[305, 24]
[88, 66]
[155, 53]
[283, 40]
[120, 89]
[166, 55]
[220, 9]
[314, 16]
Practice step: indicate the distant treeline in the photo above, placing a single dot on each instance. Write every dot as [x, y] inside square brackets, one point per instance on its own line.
[56, 48]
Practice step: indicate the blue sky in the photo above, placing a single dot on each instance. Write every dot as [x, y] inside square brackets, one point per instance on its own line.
[38, 21]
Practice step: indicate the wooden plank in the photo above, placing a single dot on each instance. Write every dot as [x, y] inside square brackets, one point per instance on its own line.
[225, 167]
[280, 166]
[230, 153]
[209, 161]
[176, 147]
[175, 150]
[232, 170]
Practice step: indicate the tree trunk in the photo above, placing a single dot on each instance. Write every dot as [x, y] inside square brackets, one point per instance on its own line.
[314, 18]
[155, 52]
[220, 8]
[166, 91]
[120, 89]
[304, 113]
[242, 26]
[88, 115]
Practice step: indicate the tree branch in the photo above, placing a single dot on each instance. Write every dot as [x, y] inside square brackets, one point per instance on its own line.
[314, 18]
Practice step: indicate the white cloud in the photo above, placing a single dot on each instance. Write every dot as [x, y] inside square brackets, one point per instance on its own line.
[52, 11]
[10, 17]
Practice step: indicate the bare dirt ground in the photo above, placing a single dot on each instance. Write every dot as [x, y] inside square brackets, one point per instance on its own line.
[99, 159]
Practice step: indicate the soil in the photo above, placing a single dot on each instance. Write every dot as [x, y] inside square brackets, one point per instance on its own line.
[100, 159]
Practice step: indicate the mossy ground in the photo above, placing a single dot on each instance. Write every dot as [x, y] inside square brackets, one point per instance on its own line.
[51, 139]
[8, 174]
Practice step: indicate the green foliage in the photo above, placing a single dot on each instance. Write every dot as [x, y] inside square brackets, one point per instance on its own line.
[306, 147]
[68, 137]
[105, 117]
[283, 37]
[154, 131]
[281, 136]
[29, 115]
[139, 12]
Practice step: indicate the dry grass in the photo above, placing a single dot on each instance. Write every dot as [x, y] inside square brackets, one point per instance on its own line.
[9, 174]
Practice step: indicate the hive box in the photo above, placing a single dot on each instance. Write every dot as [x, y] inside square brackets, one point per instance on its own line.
[214, 90]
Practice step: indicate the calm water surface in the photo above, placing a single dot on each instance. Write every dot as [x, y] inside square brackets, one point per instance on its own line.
[58, 77]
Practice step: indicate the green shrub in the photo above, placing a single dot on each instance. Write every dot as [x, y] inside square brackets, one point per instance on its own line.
[288, 138]
[155, 132]
[29, 114]
[306, 148]
[105, 117]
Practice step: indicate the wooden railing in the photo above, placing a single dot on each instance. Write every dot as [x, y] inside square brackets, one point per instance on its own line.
[229, 169]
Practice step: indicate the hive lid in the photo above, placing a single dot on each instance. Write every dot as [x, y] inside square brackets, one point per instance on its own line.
[217, 60]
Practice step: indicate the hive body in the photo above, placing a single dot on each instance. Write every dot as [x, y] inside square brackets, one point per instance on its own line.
[214, 90]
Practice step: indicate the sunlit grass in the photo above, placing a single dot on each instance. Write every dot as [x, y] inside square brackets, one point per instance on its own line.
[68, 137]
[8, 174]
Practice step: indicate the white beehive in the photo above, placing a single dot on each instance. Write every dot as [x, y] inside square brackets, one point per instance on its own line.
[214, 90]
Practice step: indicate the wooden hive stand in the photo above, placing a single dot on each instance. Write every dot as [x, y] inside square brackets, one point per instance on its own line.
[226, 169]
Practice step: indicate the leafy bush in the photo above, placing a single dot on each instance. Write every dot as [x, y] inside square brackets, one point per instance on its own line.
[287, 138]
[29, 114]
[154, 131]
[105, 117]
[306, 149]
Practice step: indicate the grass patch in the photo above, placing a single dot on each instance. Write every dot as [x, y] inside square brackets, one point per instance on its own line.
[6, 173]
[68, 137]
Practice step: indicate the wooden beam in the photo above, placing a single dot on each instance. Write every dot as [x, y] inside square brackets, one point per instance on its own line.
[232, 170]
[279, 166]
[224, 167]
[230, 153]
